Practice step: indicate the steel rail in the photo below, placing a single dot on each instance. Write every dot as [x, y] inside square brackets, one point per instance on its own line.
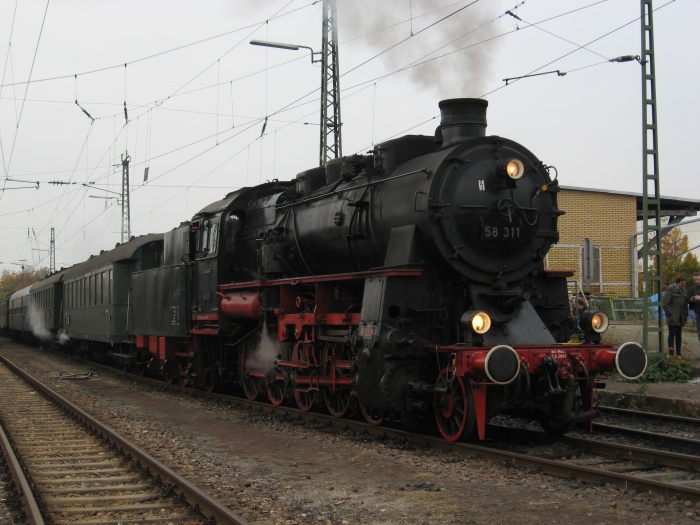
[633, 453]
[30, 508]
[210, 507]
[678, 441]
[651, 415]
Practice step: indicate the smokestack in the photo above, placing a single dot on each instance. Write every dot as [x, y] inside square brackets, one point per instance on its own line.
[461, 119]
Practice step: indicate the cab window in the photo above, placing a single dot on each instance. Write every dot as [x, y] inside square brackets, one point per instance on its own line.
[233, 226]
[207, 239]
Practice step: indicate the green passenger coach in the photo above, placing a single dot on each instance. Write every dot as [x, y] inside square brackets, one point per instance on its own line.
[97, 294]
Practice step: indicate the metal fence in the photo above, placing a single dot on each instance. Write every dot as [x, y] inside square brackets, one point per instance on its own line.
[618, 308]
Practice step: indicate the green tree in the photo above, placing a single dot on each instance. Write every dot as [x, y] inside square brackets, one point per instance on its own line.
[13, 281]
[675, 258]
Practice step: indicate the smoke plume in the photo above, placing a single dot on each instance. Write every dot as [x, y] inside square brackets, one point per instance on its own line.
[36, 322]
[265, 354]
[455, 55]
[63, 337]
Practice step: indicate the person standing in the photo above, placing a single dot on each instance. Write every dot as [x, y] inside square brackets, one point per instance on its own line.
[694, 300]
[676, 310]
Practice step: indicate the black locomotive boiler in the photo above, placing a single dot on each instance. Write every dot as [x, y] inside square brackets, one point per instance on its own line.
[408, 283]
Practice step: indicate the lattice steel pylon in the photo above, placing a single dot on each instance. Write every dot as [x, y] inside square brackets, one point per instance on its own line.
[126, 217]
[651, 200]
[52, 252]
[331, 143]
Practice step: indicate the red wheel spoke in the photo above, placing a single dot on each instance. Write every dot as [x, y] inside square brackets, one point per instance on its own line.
[454, 412]
[249, 383]
[338, 397]
[373, 416]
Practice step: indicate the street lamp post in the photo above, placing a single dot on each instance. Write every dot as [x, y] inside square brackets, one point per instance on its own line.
[331, 142]
[315, 55]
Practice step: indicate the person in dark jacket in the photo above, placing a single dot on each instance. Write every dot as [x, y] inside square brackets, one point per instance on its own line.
[676, 310]
[694, 300]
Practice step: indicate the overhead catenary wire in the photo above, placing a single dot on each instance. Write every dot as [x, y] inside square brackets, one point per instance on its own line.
[271, 120]
[126, 63]
[21, 111]
[2, 81]
[578, 48]
[292, 106]
[150, 110]
[171, 95]
[176, 91]
[158, 54]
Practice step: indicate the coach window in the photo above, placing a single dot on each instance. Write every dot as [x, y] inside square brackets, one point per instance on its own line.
[105, 287]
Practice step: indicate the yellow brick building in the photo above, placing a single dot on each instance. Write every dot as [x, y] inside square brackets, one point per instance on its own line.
[608, 220]
[597, 237]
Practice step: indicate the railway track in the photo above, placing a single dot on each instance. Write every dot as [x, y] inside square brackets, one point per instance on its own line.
[588, 460]
[674, 432]
[82, 471]
[595, 461]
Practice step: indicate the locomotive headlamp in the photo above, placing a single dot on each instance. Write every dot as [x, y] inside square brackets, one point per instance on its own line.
[597, 321]
[593, 324]
[600, 322]
[477, 322]
[515, 169]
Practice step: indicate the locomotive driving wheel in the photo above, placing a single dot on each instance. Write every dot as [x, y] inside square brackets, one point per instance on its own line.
[277, 379]
[276, 387]
[338, 394]
[304, 397]
[211, 379]
[306, 383]
[171, 373]
[250, 383]
[373, 416]
[454, 411]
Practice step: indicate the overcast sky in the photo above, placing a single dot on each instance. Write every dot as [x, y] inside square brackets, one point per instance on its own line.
[197, 96]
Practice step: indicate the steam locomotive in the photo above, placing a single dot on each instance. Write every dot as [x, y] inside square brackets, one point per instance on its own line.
[407, 284]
